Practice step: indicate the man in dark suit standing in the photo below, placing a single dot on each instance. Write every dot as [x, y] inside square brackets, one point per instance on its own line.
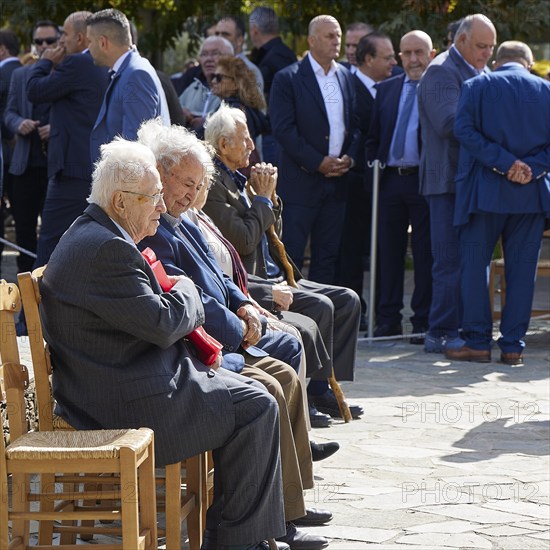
[438, 94]
[9, 50]
[67, 78]
[121, 359]
[30, 123]
[134, 93]
[312, 109]
[393, 139]
[375, 60]
[502, 191]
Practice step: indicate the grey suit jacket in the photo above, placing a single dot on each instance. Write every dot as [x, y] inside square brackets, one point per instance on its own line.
[438, 93]
[118, 354]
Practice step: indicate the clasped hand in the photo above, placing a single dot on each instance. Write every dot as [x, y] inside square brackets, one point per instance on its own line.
[251, 324]
[334, 167]
[263, 179]
[520, 173]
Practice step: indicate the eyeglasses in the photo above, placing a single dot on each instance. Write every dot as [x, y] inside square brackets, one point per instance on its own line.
[218, 77]
[213, 53]
[39, 41]
[157, 197]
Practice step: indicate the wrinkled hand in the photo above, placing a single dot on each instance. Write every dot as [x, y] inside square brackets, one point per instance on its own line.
[55, 55]
[263, 179]
[44, 132]
[252, 323]
[218, 362]
[282, 296]
[27, 126]
[520, 173]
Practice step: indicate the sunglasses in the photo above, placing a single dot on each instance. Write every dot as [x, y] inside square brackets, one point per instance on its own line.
[49, 41]
[218, 77]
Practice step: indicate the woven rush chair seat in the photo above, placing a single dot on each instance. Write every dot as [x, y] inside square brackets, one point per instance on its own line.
[84, 444]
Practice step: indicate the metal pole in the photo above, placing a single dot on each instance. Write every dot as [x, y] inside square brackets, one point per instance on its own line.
[375, 165]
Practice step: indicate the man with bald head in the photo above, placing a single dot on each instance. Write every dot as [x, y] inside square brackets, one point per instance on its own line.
[438, 95]
[312, 109]
[67, 77]
[502, 191]
[393, 139]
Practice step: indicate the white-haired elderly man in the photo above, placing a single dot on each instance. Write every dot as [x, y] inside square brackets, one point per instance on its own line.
[121, 360]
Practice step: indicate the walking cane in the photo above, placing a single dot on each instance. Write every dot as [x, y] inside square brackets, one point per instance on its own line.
[375, 165]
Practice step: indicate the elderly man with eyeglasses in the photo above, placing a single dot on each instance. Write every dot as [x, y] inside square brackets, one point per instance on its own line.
[121, 359]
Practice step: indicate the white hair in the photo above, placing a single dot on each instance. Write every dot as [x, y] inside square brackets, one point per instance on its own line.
[222, 123]
[170, 144]
[227, 48]
[122, 165]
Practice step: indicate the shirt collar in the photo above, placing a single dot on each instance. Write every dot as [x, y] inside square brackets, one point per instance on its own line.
[8, 60]
[117, 64]
[513, 64]
[237, 177]
[319, 71]
[476, 71]
[125, 233]
[173, 221]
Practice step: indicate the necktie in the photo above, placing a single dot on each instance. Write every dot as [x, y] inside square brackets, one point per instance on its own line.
[403, 121]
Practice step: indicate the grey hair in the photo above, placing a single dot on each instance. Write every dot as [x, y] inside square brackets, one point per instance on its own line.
[121, 166]
[265, 19]
[513, 50]
[467, 24]
[316, 21]
[227, 46]
[222, 123]
[170, 144]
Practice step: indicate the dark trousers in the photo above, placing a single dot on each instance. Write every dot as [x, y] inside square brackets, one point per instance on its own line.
[355, 247]
[400, 205]
[248, 502]
[65, 201]
[521, 241]
[336, 310]
[446, 309]
[28, 194]
[320, 219]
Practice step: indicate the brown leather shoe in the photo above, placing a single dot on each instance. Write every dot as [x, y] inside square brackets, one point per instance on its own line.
[512, 358]
[468, 354]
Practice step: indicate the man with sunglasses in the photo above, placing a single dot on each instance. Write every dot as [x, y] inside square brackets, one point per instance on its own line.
[66, 76]
[30, 124]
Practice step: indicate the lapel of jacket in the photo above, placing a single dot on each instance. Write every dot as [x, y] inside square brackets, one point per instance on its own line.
[110, 87]
[346, 95]
[310, 84]
[463, 68]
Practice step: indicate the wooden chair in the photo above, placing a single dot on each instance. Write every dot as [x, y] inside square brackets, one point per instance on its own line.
[126, 454]
[497, 271]
[193, 474]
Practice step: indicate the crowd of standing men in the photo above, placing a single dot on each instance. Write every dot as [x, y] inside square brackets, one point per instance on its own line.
[455, 166]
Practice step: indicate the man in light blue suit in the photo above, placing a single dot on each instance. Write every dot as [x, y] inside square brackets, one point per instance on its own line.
[502, 191]
[438, 94]
[135, 93]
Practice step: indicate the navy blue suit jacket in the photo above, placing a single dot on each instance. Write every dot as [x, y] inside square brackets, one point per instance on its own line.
[300, 126]
[501, 117]
[75, 89]
[365, 103]
[5, 77]
[131, 98]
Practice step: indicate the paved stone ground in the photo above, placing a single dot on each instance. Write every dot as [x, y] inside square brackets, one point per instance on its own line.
[448, 455]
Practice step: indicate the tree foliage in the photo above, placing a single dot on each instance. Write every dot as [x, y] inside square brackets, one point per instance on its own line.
[161, 21]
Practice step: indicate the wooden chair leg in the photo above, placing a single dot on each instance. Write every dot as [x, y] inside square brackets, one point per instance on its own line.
[195, 467]
[173, 506]
[147, 498]
[129, 498]
[45, 529]
[20, 529]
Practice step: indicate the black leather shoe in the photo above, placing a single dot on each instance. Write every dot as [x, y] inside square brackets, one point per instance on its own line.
[318, 419]
[320, 451]
[326, 403]
[314, 516]
[300, 540]
[388, 330]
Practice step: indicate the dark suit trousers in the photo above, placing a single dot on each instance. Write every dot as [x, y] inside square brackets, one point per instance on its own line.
[446, 309]
[355, 247]
[521, 241]
[320, 217]
[28, 194]
[248, 505]
[336, 310]
[65, 201]
[400, 204]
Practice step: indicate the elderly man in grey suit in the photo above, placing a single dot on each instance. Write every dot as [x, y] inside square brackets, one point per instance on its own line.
[438, 94]
[121, 360]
